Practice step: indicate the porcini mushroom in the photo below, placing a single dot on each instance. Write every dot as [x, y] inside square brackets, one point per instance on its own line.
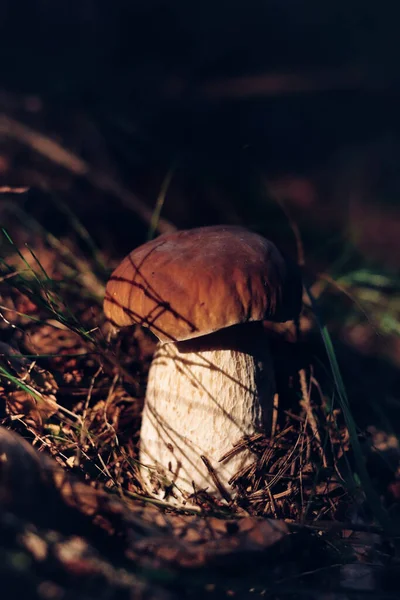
[204, 293]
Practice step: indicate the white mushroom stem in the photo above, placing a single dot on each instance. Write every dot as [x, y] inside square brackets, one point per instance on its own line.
[200, 402]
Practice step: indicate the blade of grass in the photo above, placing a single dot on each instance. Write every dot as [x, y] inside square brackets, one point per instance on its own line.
[365, 480]
[155, 217]
[84, 272]
[43, 290]
[20, 384]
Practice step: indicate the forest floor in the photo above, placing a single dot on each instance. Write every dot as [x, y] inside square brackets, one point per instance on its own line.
[319, 518]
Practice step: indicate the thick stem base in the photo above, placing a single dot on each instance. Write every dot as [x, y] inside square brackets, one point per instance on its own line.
[199, 403]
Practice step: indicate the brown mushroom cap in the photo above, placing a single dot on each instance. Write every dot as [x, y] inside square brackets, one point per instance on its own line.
[187, 284]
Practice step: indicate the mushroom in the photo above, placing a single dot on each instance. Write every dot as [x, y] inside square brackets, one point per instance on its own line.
[204, 293]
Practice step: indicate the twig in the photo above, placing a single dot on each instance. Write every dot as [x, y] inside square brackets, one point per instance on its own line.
[272, 503]
[84, 431]
[6, 189]
[215, 479]
[294, 228]
[306, 404]
[332, 526]
[274, 415]
[179, 509]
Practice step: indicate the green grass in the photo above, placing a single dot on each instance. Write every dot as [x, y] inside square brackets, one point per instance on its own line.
[361, 476]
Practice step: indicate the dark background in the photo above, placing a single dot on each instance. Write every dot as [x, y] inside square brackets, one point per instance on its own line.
[251, 105]
[136, 87]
